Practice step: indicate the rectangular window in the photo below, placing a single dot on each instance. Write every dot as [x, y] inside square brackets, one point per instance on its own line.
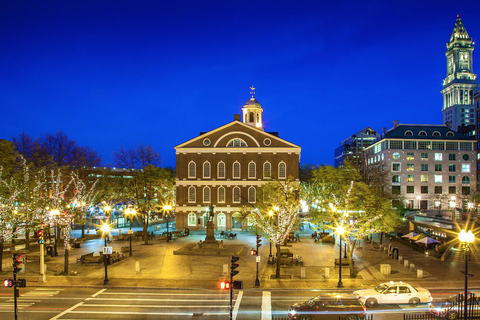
[438, 189]
[424, 178]
[424, 167]
[410, 178]
[396, 145]
[466, 191]
[438, 167]
[410, 189]
[466, 146]
[411, 145]
[395, 189]
[452, 156]
[465, 167]
[452, 168]
[452, 190]
[452, 145]
[410, 156]
[438, 145]
[424, 189]
[396, 167]
[438, 156]
[410, 167]
[452, 179]
[437, 178]
[424, 145]
[424, 156]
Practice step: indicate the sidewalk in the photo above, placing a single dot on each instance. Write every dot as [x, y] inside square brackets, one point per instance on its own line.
[161, 268]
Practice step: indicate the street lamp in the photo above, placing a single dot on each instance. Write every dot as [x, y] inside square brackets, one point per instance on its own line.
[130, 213]
[55, 213]
[340, 231]
[105, 230]
[466, 238]
[166, 209]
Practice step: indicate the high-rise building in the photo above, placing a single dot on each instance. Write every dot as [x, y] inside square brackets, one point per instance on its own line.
[460, 83]
[226, 166]
[352, 147]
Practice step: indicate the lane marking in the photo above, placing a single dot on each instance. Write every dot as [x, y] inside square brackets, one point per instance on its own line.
[165, 294]
[147, 306]
[47, 289]
[266, 305]
[237, 305]
[99, 292]
[67, 311]
[154, 300]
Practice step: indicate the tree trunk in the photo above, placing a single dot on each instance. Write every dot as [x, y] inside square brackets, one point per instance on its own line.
[27, 238]
[277, 272]
[65, 268]
[351, 248]
[145, 229]
[83, 229]
[381, 238]
[1, 254]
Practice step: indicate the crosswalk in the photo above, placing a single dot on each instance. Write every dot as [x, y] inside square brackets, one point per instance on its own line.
[29, 298]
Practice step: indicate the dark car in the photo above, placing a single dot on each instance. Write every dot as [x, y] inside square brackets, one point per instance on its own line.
[453, 308]
[333, 306]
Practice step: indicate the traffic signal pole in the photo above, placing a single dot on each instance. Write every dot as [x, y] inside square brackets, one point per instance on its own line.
[231, 294]
[15, 293]
[42, 278]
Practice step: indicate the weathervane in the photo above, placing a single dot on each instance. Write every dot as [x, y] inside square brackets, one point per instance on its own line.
[252, 92]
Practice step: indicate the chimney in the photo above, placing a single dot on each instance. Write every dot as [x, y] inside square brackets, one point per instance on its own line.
[395, 124]
[236, 117]
[448, 124]
[384, 130]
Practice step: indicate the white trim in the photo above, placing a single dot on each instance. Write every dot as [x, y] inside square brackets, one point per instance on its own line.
[228, 183]
[194, 224]
[254, 170]
[194, 195]
[201, 209]
[224, 194]
[236, 132]
[224, 170]
[189, 171]
[221, 214]
[209, 170]
[263, 170]
[239, 194]
[243, 150]
[254, 195]
[209, 194]
[239, 170]
[280, 163]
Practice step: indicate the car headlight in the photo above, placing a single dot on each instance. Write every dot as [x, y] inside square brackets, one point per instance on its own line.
[292, 312]
[440, 310]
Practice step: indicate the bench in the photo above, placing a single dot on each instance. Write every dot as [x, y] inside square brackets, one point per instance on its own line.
[345, 262]
[89, 258]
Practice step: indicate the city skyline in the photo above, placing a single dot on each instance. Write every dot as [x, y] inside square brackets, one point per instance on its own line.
[113, 73]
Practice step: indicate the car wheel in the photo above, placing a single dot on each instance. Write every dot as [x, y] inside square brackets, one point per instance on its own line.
[351, 317]
[414, 302]
[305, 318]
[451, 315]
[371, 302]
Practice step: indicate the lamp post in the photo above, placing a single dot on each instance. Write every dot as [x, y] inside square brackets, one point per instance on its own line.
[55, 213]
[166, 209]
[130, 212]
[466, 238]
[105, 230]
[340, 231]
[270, 215]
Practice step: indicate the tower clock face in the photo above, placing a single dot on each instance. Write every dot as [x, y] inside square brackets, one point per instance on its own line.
[464, 57]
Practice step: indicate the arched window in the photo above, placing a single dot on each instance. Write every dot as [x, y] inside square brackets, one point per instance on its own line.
[236, 170]
[206, 169]
[192, 169]
[252, 170]
[237, 143]
[267, 170]
[221, 194]
[252, 195]
[191, 194]
[206, 194]
[465, 180]
[450, 134]
[282, 170]
[422, 133]
[221, 170]
[251, 117]
[436, 134]
[236, 195]
[221, 220]
[408, 133]
[192, 219]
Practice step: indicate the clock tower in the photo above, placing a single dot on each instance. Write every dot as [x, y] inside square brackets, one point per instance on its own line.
[461, 82]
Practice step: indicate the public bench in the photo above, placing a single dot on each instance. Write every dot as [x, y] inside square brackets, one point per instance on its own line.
[89, 258]
[344, 262]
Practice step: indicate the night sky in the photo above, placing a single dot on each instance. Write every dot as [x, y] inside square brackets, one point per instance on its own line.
[112, 73]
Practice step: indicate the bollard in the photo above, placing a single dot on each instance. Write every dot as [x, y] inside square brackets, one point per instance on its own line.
[405, 263]
[225, 268]
[385, 269]
[302, 273]
[381, 247]
[412, 267]
[420, 273]
[327, 273]
[400, 259]
[137, 267]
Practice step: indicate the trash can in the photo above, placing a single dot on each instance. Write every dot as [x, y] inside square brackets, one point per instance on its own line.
[50, 251]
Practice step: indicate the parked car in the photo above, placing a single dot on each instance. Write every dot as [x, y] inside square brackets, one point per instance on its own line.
[329, 306]
[394, 293]
[452, 307]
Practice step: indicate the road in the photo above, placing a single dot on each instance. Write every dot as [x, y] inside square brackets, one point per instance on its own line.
[41, 303]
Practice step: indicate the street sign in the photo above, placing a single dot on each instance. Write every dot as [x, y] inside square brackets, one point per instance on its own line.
[107, 250]
[258, 259]
[130, 231]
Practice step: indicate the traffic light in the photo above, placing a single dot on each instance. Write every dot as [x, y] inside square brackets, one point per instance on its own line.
[40, 236]
[234, 266]
[21, 283]
[8, 283]
[253, 252]
[259, 240]
[237, 284]
[225, 285]
[17, 262]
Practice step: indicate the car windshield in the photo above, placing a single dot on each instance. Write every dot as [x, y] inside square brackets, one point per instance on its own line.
[381, 288]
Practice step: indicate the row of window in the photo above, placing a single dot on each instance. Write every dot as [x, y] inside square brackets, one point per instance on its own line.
[221, 192]
[422, 145]
[436, 178]
[397, 167]
[236, 170]
[425, 190]
[221, 220]
[437, 156]
[424, 133]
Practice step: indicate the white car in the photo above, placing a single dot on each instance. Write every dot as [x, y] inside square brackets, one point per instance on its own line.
[394, 293]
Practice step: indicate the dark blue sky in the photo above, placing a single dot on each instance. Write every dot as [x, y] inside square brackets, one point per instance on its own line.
[113, 73]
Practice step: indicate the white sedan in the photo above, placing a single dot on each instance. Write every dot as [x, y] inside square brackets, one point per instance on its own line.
[394, 293]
